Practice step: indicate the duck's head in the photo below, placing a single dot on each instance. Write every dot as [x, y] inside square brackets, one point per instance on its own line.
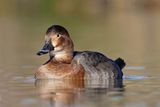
[58, 44]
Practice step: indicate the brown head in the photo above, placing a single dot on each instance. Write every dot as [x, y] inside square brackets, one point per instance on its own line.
[58, 44]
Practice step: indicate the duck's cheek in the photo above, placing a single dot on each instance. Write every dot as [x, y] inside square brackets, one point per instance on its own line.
[58, 42]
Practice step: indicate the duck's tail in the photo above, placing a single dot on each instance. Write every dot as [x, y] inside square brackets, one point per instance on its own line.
[120, 62]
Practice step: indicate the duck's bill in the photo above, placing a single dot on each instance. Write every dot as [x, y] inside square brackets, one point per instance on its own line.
[42, 52]
[46, 49]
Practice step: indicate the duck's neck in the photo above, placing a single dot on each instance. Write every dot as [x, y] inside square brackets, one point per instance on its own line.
[63, 57]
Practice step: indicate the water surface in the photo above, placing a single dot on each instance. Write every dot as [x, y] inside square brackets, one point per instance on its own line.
[118, 29]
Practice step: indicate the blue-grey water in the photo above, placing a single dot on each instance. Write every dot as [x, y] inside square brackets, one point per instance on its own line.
[117, 28]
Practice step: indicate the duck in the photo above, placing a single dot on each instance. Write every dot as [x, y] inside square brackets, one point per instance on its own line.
[64, 62]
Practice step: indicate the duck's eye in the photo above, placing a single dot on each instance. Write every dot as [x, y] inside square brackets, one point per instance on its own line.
[58, 35]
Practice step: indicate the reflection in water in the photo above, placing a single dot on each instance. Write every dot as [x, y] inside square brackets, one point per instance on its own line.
[59, 92]
[67, 92]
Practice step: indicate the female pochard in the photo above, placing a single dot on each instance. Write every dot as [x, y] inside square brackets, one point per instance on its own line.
[64, 62]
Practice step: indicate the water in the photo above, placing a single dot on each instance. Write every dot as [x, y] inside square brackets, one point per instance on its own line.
[122, 29]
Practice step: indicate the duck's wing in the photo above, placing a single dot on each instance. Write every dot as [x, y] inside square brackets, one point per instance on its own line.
[97, 64]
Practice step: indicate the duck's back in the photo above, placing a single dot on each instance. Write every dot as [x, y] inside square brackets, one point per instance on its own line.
[98, 65]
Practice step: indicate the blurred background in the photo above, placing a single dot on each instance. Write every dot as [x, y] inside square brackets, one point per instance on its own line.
[118, 28]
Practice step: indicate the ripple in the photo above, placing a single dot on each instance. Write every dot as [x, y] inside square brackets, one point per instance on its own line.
[27, 101]
[134, 77]
[29, 79]
[135, 68]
